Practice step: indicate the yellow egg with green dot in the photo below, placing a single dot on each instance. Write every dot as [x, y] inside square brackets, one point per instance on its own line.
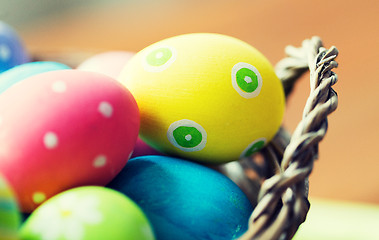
[205, 97]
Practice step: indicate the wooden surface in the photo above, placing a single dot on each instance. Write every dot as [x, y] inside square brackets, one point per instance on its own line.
[349, 155]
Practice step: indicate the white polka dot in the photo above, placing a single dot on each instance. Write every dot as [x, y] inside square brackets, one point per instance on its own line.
[5, 53]
[50, 140]
[59, 87]
[100, 161]
[106, 109]
[248, 79]
[188, 137]
[159, 55]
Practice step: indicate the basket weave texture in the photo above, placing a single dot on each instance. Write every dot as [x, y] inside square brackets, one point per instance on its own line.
[282, 203]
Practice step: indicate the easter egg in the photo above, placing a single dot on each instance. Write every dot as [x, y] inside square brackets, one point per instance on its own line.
[64, 129]
[10, 217]
[184, 200]
[88, 213]
[12, 51]
[20, 72]
[205, 97]
[109, 63]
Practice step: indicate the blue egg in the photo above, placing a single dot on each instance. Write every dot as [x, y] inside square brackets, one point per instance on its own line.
[12, 51]
[184, 200]
[23, 71]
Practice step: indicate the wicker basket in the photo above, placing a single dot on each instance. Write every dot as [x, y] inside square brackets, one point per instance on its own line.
[276, 179]
[279, 173]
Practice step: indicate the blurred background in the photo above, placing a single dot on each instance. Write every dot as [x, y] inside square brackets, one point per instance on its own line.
[348, 165]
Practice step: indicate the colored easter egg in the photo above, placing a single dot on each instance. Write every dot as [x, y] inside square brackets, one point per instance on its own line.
[143, 149]
[12, 51]
[184, 200]
[10, 217]
[205, 97]
[109, 63]
[20, 72]
[88, 213]
[63, 129]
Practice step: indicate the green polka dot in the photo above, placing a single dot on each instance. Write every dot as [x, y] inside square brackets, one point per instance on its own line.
[159, 57]
[39, 197]
[247, 80]
[187, 137]
[255, 148]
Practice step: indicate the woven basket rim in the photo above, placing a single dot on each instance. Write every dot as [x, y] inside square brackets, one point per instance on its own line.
[283, 198]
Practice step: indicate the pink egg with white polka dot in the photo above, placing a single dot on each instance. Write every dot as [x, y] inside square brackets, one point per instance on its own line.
[64, 129]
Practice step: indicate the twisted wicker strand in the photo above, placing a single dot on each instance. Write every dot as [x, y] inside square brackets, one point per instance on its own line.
[283, 203]
[291, 68]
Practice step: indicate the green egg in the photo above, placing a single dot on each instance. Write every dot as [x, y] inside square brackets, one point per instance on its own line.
[10, 217]
[88, 213]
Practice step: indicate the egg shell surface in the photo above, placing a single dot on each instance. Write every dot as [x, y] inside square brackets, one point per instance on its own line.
[88, 213]
[23, 71]
[12, 51]
[109, 63]
[184, 200]
[205, 97]
[64, 129]
[10, 217]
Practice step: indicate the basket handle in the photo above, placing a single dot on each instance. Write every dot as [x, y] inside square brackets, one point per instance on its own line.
[283, 198]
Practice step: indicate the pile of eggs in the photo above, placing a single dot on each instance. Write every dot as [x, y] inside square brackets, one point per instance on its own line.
[115, 148]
